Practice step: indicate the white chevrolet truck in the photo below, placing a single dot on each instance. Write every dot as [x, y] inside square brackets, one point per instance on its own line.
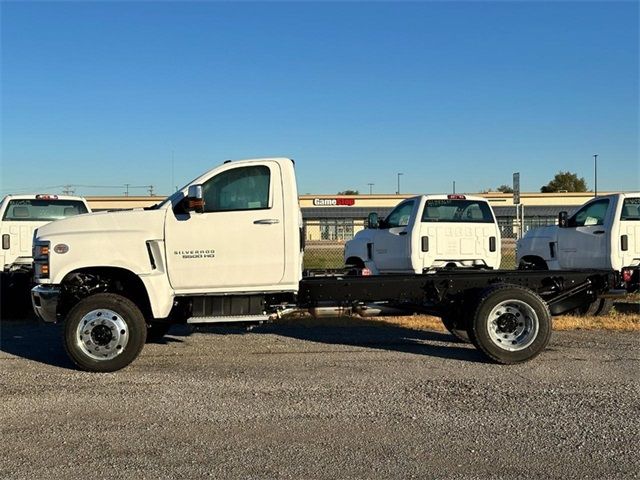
[604, 233]
[20, 216]
[228, 247]
[427, 232]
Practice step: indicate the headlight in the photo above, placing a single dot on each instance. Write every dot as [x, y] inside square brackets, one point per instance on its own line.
[41, 259]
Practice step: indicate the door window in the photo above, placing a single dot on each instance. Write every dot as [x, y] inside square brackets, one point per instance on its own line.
[245, 188]
[591, 214]
[399, 216]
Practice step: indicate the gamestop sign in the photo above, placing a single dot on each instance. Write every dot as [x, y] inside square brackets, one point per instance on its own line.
[334, 202]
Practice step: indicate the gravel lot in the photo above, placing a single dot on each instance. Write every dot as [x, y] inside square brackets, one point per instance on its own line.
[296, 402]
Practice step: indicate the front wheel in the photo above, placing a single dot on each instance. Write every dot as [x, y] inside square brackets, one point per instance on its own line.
[511, 324]
[104, 333]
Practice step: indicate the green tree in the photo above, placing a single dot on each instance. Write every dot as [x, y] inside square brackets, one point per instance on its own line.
[504, 188]
[565, 181]
[349, 192]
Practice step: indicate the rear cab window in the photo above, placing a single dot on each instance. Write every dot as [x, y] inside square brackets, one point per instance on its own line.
[457, 211]
[36, 210]
[631, 210]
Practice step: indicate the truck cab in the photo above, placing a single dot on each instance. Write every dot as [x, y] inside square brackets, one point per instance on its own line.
[21, 215]
[427, 232]
[233, 231]
[604, 233]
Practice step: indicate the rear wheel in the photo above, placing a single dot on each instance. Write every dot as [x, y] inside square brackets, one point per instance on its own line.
[104, 332]
[600, 306]
[511, 324]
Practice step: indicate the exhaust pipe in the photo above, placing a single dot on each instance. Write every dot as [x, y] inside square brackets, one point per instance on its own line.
[316, 312]
[333, 311]
[375, 310]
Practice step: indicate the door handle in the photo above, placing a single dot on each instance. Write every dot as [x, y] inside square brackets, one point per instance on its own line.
[402, 233]
[599, 232]
[266, 221]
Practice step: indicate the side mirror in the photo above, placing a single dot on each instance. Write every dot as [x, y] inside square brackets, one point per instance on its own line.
[563, 219]
[194, 201]
[372, 220]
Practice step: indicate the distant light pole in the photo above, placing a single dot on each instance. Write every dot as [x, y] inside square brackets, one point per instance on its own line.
[454, 187]
[370, 187]
[595, 173]
[398, 192]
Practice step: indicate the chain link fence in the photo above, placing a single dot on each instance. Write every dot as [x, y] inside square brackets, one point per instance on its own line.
[325, 240]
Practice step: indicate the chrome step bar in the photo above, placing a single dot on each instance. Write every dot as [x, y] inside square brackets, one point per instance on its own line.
[229, 318]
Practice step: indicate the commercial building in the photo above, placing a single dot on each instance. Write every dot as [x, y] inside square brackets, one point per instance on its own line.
[338, 217]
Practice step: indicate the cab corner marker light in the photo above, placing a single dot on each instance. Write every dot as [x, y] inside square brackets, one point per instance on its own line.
[61, 248]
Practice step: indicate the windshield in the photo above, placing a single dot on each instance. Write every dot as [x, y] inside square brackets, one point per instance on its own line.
[174, 197]
[27, 210]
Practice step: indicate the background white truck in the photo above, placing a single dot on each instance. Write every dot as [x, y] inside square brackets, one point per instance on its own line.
[604, 233]
[427, 232]
[20, 216]
[229, 247]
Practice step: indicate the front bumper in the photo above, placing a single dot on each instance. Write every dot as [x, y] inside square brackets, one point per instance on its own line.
[45, 301]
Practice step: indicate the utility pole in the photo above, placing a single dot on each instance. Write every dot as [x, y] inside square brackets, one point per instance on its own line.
[150, 190]
[126, 194]
[595, 173]
[370, 187]
[68, 190]
[398, 192]
[454, 187]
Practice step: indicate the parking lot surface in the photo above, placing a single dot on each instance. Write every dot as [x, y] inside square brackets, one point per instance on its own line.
[320, 402]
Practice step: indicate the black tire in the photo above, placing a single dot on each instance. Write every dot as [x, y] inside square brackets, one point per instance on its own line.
[157, 330]
[456, 327]
[93, 312]
[511, 324]
[354, 266]
[534, 263]
[600, 306]
[15, 296]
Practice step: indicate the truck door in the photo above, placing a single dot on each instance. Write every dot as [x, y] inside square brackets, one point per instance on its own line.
[626, 240]
[584, 243]
[391, 245]
[238, 241]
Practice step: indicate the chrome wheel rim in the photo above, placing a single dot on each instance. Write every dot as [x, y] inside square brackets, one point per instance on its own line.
[513, 325]
[102, 334]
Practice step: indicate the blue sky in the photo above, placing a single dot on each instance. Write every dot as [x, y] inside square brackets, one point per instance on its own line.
[103, 93]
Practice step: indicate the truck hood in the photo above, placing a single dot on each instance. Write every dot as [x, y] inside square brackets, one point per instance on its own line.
[541, 232]
[536, 243]
[365, 236]
[149, 223]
